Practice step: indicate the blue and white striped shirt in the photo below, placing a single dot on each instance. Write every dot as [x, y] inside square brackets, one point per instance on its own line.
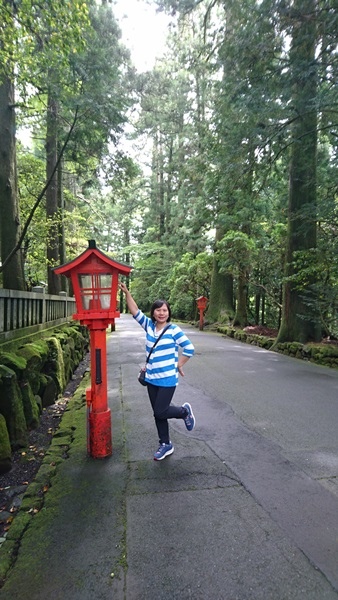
[162, 366]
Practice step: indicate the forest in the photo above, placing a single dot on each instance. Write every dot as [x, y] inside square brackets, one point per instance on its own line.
[214, 173]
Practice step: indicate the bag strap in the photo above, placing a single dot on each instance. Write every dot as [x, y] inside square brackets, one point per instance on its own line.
[158, 339]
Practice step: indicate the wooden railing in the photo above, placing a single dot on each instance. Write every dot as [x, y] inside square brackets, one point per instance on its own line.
[27, 312]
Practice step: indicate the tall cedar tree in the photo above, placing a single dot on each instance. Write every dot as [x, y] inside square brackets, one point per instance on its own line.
[13, 277]
[298, 321]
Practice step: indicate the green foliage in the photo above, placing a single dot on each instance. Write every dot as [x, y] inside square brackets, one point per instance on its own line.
[152, 264]
[156, 275]
[189, 279]
[236, 253]
[36, 39]
[100, 90]
[216, 124]
[316, 279]
[58, 54]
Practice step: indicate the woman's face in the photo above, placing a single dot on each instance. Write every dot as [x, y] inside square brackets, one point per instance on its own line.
[161, 314]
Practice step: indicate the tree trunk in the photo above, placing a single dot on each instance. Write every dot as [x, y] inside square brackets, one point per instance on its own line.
[257, 307]
[263, 311]
[161, 199]
[13, 274]
[53, 257]
[241, 316]
[221, 303]
[298, 321]
[61, 227]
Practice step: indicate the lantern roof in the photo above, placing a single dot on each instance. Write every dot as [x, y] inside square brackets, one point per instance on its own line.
[86, 257]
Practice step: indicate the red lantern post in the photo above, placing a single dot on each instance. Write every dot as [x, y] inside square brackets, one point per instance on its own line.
[202, 302]
[94, 278]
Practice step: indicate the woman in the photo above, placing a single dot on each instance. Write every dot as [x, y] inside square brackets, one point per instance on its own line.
[163, 368]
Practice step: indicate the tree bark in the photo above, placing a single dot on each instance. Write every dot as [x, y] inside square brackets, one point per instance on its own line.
[13, 273]
[241, 315]
[53, 256]
[221, 303]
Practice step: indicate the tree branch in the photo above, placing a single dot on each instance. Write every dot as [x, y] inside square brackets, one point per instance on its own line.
[41, 195]
[269, 294]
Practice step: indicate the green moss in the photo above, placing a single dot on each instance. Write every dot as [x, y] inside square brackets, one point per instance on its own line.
[295, 347]
[330, 351]
[45, 473]
[68, 363]
[13, 361]
[32, 491]
[38, 369]
[61, 337]
[32, 355]
[71, 343]
[5, 447]
[269, 343]
[55, 363]
[19, 525]
[314, 351]
[48, 390]
[80, 334]
[33, 503]
[11, 407]
[33, 378]
[30, 406]
[6, 557]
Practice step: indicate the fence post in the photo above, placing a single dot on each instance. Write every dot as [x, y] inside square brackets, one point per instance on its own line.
[38, 289]
[64, 295]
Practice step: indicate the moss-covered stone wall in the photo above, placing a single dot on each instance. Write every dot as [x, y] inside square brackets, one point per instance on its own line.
[323, 354]
[33, 374]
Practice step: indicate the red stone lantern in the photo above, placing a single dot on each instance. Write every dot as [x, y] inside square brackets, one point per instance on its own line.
[202, 302]
[94, 278]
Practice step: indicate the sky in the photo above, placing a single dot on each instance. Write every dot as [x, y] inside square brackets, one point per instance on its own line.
[143, 31]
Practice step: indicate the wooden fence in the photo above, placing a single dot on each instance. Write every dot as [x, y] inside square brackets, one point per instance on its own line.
[22, 313]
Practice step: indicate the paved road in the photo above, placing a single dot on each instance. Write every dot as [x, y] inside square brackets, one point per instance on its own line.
[245, 509]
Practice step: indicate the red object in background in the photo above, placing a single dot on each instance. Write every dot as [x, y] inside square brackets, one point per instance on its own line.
[94, 278]
[202, 302]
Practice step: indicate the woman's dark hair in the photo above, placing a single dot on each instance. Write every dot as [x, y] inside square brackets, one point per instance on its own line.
[158, 304]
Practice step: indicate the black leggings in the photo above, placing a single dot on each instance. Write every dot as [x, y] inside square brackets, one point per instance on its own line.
[160, 398]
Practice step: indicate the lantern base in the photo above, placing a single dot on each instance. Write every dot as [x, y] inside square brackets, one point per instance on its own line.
[100, 438]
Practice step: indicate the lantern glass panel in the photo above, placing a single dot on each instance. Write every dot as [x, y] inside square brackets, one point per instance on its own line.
[95, 290]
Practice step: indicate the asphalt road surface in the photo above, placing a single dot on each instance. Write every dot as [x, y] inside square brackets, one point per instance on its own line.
[273, 421]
